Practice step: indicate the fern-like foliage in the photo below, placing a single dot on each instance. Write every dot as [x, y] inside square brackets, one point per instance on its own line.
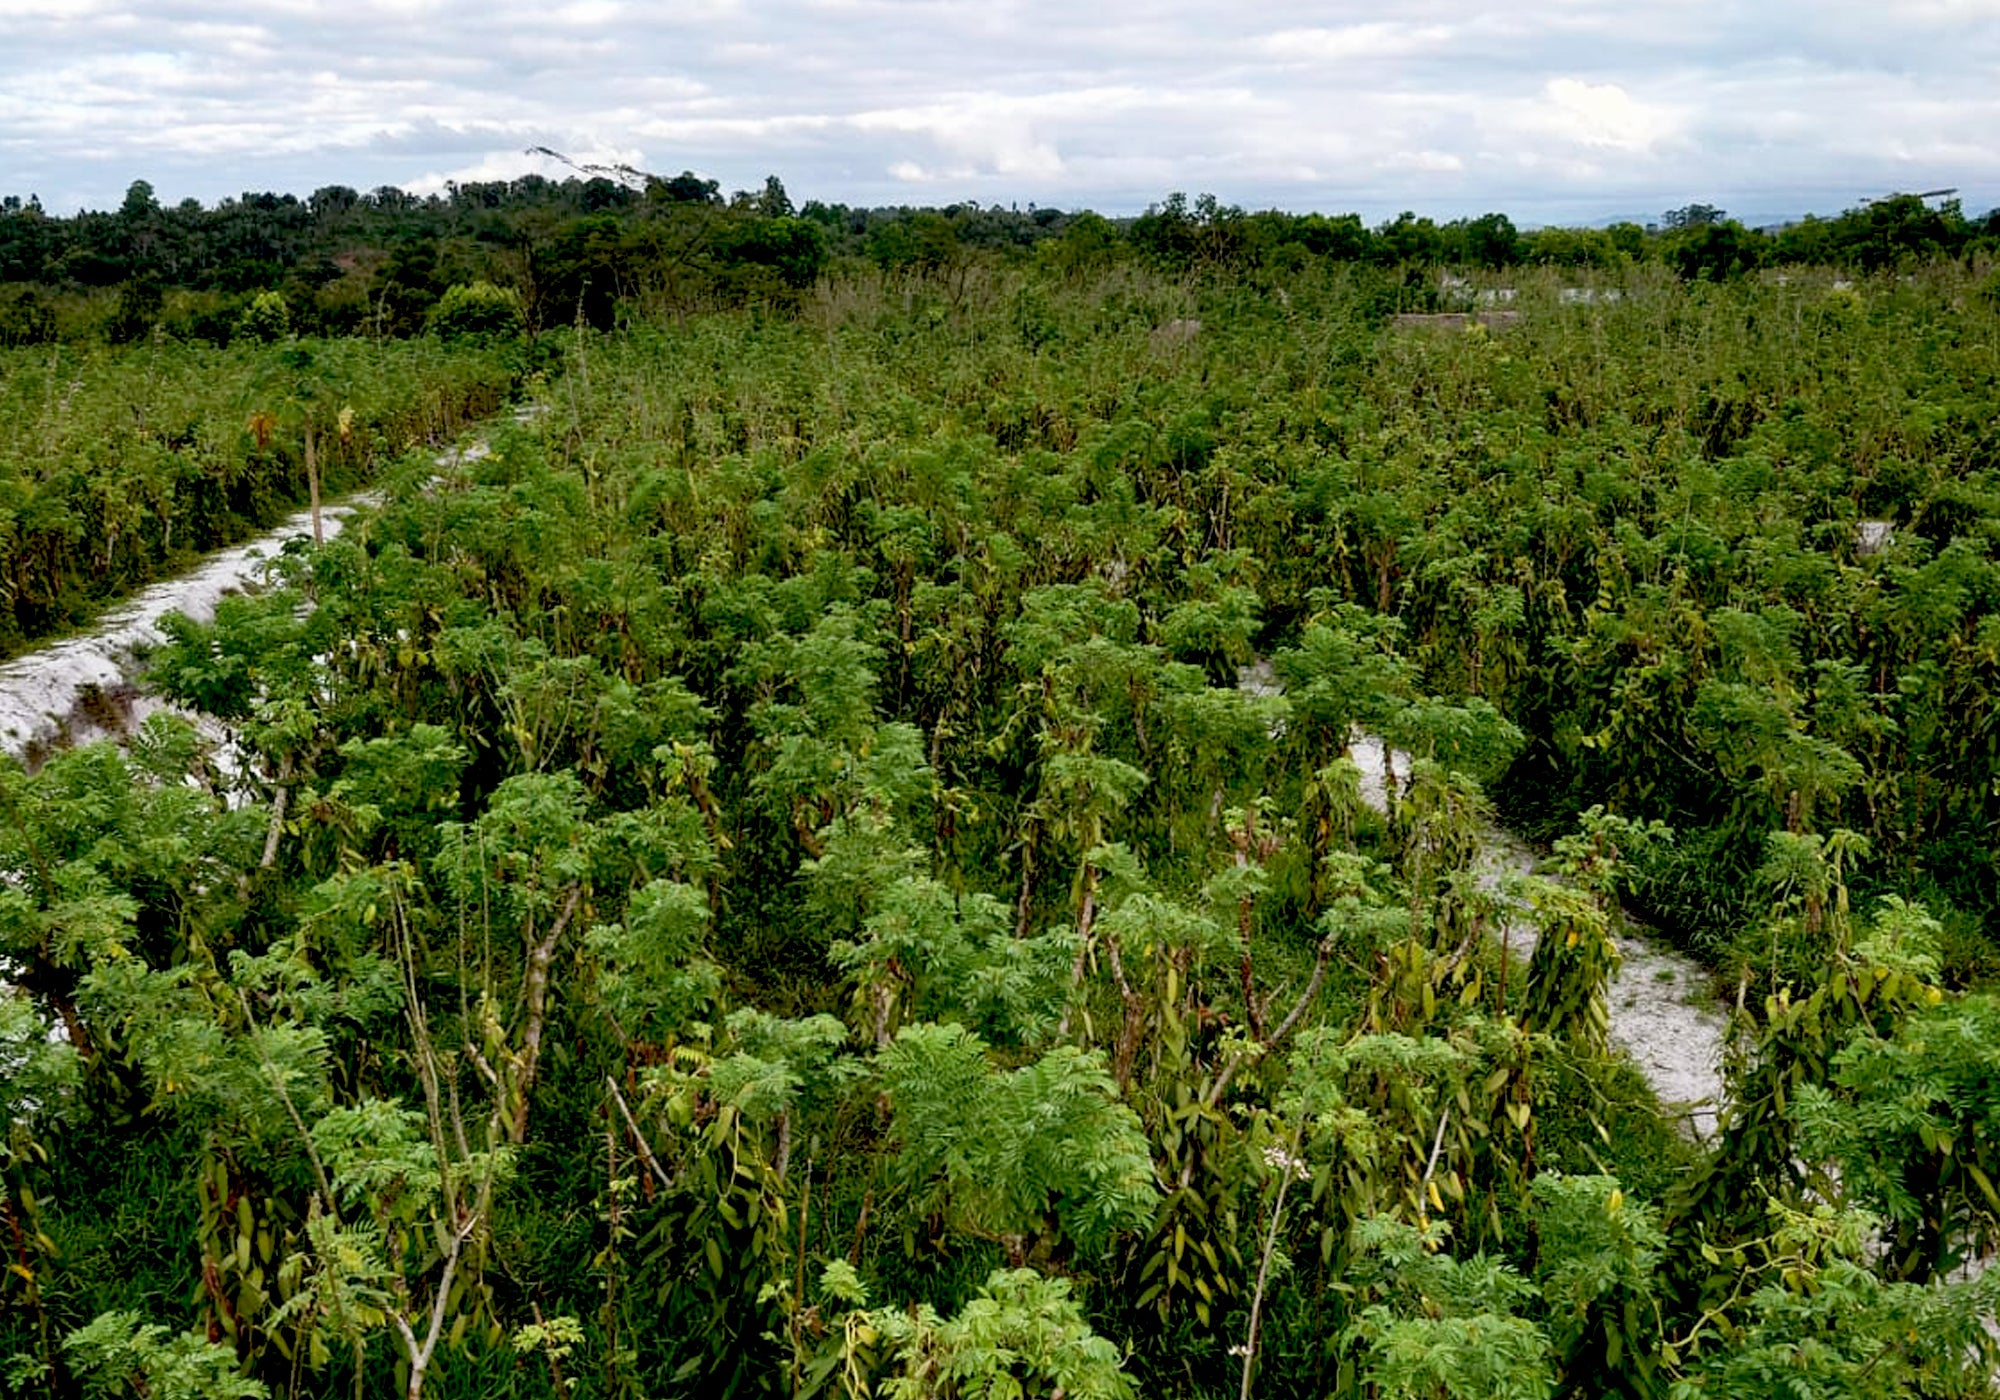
[1022, 1336]
[1001, 1151]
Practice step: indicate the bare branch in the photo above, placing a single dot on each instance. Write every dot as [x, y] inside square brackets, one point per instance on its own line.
[645, 1150]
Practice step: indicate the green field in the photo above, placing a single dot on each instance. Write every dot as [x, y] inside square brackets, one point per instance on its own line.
[770, 882]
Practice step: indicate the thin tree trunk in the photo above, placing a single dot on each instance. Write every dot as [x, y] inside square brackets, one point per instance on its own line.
[1126, 1054]
[312, 482]
[1263, 1278]
[420, 1353]
[540, 955]
[1220, 1084]
[1023, 905]
[1253, 1010]
[278, 805]
[1085, 918]
[638, 1138]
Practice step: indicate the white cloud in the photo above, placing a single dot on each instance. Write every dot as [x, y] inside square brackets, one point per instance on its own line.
[987, 134]
[1435, 162]
[50, 10]
[1604, 114]
[1374, 40]
[1444, 105]
[589, 12]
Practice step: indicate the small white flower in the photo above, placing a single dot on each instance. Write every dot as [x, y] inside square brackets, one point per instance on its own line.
[1279, 1160]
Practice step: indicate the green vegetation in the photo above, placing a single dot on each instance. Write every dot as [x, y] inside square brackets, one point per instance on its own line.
[613, 241]
[117, 465]
[769, 883]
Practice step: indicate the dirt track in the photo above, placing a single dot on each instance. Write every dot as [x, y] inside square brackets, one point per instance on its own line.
[1661, 1015]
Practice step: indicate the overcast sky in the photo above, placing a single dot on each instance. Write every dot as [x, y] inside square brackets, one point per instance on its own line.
[1566, 111]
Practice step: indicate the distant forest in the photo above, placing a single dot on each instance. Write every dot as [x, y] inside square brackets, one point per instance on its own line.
[342, 262]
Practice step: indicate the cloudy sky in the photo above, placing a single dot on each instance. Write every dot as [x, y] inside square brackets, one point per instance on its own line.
[1572, 111]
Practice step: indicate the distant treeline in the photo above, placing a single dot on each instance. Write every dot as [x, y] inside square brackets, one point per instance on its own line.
[378, 263]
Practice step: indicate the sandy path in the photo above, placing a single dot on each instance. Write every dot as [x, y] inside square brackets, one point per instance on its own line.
[1661, 1014]
[41, 691]
[44, 694]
